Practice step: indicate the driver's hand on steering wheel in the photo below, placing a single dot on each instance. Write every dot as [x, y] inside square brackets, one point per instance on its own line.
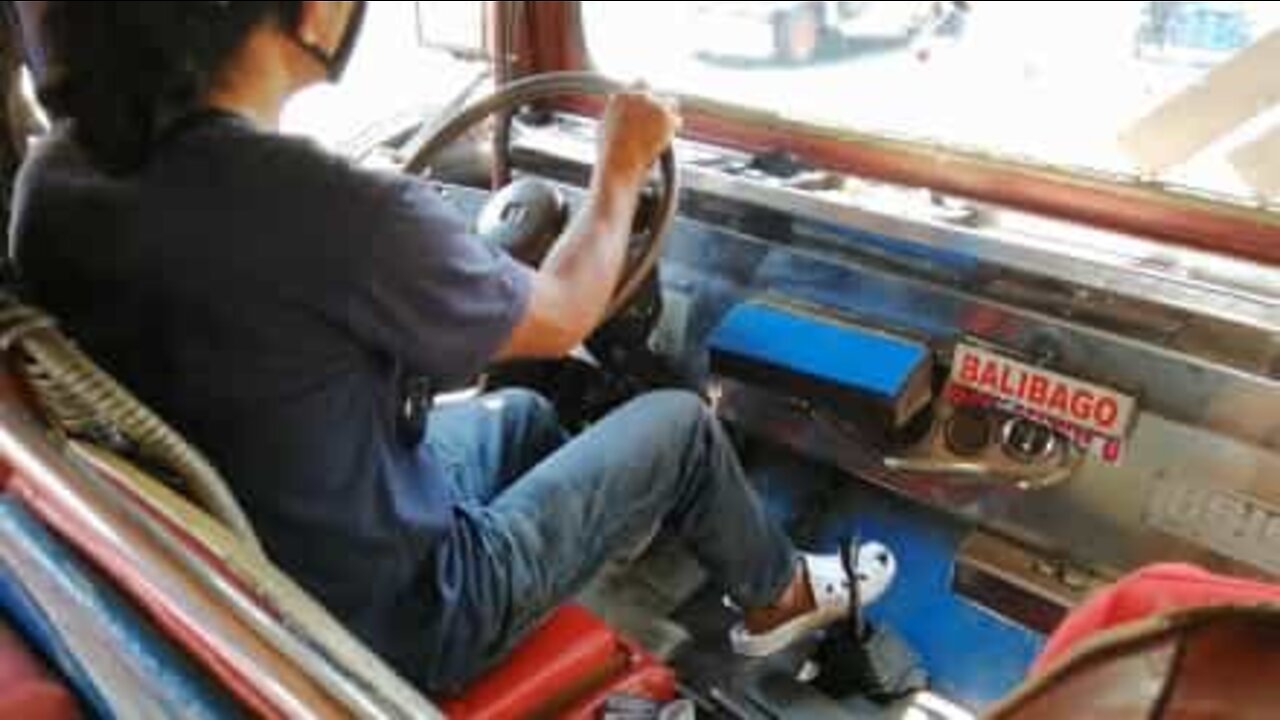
[573, 287]
[637, 127]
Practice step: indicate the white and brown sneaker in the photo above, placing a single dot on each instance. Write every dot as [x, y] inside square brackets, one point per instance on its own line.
[832, 595]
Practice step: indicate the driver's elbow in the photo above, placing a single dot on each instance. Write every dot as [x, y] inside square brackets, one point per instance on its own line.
[556, 340]
[540, 341]
[553, 325]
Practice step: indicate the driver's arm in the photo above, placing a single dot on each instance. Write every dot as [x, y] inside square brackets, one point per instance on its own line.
[572, 289]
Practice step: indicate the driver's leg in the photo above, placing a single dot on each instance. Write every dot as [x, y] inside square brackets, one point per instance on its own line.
[482, 445]
[661, 461]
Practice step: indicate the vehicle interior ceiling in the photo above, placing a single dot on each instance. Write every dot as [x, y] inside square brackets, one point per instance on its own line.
[1001, 521]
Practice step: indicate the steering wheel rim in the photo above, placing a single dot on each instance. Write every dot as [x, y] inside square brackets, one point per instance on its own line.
[542, 87]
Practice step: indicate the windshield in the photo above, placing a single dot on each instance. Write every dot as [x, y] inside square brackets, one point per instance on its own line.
[1181, 92]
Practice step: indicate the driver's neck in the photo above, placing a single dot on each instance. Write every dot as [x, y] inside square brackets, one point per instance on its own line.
[257, 82]
[264, 113]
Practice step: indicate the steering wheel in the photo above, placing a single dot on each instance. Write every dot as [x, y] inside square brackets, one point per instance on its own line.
[525, 217]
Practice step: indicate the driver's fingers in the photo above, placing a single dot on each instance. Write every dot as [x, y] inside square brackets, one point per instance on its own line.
[642, 87]
[670, 102]
[652, 110]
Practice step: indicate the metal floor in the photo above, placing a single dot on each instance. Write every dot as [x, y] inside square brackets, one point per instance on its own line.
[972, 656]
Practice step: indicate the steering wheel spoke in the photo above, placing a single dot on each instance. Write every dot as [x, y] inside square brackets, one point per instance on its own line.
[525, 217]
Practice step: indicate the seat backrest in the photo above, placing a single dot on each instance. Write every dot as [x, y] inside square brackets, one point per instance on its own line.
[27, 689]
[82, 400]
[83, 405]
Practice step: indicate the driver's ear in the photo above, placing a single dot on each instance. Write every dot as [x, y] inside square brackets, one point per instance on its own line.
[321, 23]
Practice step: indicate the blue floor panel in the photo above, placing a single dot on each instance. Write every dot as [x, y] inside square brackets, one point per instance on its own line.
[973, 656]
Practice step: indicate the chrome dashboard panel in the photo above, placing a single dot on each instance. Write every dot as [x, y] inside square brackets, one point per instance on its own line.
[1195, 337]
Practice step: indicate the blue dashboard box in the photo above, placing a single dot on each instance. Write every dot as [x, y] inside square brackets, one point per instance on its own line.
[823, 357]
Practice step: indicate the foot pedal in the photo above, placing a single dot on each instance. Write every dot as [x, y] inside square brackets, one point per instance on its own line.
[878, 665]
[867, 660]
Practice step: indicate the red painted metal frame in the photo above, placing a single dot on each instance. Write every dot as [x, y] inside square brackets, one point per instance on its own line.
[224, 646]
[553, 41]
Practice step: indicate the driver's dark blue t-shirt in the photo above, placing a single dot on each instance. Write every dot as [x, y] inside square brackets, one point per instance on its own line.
[266, 298]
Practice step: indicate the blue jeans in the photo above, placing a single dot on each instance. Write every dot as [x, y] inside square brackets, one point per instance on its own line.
[539, 516]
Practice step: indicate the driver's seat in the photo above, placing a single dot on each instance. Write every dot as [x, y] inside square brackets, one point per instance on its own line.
[567, 668]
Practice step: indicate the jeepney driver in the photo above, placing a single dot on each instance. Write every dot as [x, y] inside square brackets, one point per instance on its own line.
[269, 299]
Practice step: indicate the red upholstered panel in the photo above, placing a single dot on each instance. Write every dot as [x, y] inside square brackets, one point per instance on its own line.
[1151, 591]
[572, 647]
[27, 689]
[646, 677]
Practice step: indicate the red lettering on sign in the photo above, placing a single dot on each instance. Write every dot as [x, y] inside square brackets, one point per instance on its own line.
[1082, 405]
[1081, 436]
[970, 365]
[1087, 415]
[1060, 399]
[1106, 413]
[1006, 381]
[991, 377]
[1038, 393]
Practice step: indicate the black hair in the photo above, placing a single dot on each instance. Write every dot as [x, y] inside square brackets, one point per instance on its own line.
[122, 71]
